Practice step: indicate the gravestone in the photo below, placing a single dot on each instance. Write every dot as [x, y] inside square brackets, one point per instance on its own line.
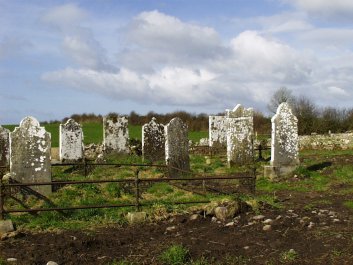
[30, 154]
[4, 147]
[153, 141]
[240, 141]
[284, 143]
[116, 134]
[177, 147]
[70, 143]
[240, 133]
[217, 129]
[239, 111]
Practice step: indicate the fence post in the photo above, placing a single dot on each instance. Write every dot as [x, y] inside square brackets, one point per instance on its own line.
[260, 152]
[85, 165]
[137, 190]
[1, 197]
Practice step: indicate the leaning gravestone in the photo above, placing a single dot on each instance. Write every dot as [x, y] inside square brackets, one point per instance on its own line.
[240, 131]
[4, 146]
[70, 144]
[217, 129]
[30, 154]
[153, 141]
[177, 147]
[284, 143]
[116, 134]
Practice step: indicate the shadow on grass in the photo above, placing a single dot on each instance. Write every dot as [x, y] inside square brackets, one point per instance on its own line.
[319, 166]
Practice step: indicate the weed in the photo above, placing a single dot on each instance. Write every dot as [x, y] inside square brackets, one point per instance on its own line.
[3, 262]
[288, 256]
[302, 172]
[175, 255]
[348, 204]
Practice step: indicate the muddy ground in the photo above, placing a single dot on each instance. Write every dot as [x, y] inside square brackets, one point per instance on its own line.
[319, 234]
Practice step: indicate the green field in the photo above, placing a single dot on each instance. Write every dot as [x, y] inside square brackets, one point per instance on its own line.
[93, 133]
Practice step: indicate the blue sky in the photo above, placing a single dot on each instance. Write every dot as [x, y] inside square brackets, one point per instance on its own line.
[58, 58]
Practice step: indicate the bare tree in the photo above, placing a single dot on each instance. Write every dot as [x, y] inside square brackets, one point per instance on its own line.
[281, 95]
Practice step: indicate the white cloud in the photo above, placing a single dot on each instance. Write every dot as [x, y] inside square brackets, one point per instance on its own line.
[328, 8]
[269, 59]
[166, 61]
[337, 91]
[79, 43]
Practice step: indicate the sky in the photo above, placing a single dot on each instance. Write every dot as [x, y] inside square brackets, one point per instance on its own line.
[59, 58]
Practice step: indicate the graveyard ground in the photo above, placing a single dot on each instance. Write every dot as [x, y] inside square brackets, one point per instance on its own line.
[312, 223]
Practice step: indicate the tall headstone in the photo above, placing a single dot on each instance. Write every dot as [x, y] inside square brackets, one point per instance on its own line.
[4, 147]
[153, 141]
[177, 147]
[240, 133]
[116, 134]
[30, 154]
[217, 129]
[71, 142]
[284, 143]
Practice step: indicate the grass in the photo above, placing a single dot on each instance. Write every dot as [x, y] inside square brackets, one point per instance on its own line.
[288, 256]
[348, 204]
[175, 255]
[93, 133]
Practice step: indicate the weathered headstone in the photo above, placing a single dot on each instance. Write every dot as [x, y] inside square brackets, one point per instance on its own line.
[177, 147]
[217, 128]
[284, 143]
[153, 141]
[116, 134]
[240, 133]
[239, 111]
[30, 154]
[240, 141]
[70, 144]
[4, 147]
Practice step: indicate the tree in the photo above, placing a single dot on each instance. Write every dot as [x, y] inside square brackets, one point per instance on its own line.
[281, 95]
[306, 112]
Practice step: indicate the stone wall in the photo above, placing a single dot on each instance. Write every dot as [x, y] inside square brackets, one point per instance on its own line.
[339, 141]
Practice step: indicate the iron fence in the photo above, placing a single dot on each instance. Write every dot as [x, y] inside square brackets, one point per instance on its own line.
[246, 180]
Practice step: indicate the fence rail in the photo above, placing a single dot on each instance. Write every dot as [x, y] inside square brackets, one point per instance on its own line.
[244, 176]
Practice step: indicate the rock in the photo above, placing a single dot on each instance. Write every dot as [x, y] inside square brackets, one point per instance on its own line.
[305, 220]
[267, 228]
[258, 217]
[268, 221]
[311, 225]
[246, 247]
[290, 211]
[336, 220]
[278, 217]
[331, 213]
[194, 217]
[221, 213]
[314, 212]
[214, 219]
[136, 217]
[170, 228]
[13, 234]
[52, 263]
[230, 224]
[11, 260]
[6, 226]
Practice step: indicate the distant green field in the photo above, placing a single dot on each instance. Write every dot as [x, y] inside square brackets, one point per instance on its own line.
[93, 133]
